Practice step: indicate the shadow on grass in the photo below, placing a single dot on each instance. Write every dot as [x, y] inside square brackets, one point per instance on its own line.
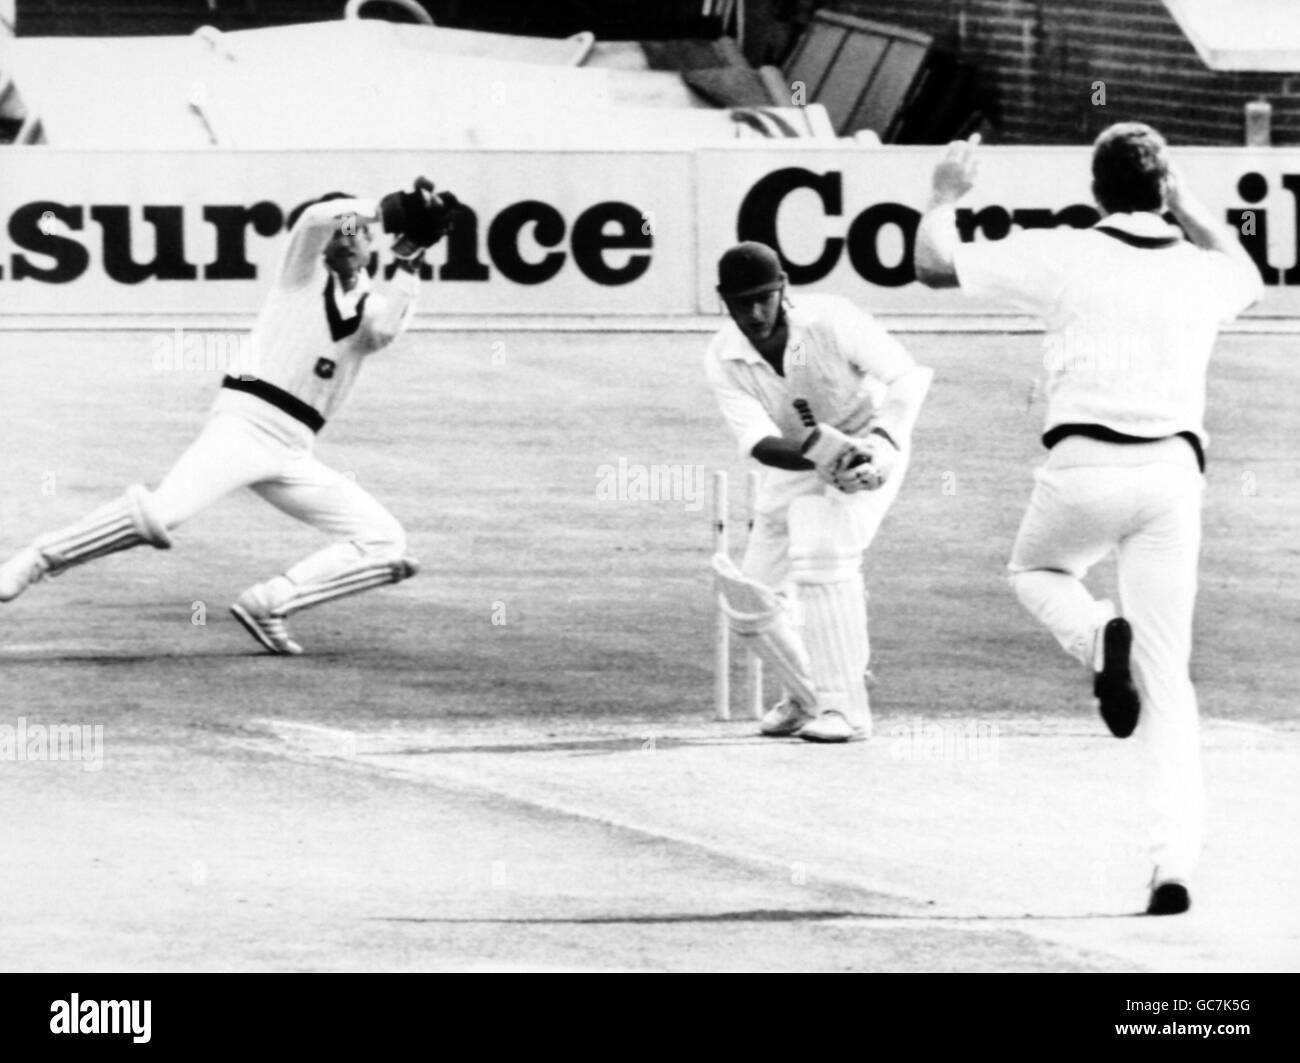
[759, 915]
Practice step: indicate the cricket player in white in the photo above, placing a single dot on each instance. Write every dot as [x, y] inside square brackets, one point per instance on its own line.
[829, 475]
[1132, 310]
[322, 318]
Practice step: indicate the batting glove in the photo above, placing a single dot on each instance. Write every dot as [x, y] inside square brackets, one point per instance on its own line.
[831, 451]
[881, 457]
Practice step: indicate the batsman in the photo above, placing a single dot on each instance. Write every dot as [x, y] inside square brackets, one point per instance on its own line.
[825, 401]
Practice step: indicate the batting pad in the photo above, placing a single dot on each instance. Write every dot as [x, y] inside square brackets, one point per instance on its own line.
[359, 574]
[758, 616]
[835, 633]
[825, 566]
[121, 524]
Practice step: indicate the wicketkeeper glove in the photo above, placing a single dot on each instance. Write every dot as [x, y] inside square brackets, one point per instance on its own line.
[421, 215]
[408, 254]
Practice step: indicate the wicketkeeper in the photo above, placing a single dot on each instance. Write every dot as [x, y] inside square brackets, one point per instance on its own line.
[323, 316]
[825, 400]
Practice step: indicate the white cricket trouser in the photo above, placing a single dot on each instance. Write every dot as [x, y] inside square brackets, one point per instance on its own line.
[1144, 502]
[245, 445]
[767, 556]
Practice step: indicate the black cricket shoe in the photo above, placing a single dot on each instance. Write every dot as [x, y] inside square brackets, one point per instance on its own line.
[1117, 697]
[1169, 898]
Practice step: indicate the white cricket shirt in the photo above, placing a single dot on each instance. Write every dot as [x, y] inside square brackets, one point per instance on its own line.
[311, 336]
[1132, 310]
[837, 356]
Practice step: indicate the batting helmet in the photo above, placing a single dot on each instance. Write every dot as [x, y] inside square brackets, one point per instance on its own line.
[749, 268]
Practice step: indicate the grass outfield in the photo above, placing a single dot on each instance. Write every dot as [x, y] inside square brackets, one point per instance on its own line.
[541, 597]
[552, 631]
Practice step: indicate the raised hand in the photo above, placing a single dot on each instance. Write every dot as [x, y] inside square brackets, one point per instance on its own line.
[954, 175]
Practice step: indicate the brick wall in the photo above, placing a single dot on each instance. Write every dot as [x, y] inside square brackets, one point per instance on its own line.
[1040, 58]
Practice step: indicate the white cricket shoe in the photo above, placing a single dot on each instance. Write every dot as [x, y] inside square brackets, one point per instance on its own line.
[783, 718]
[831, 726]
[253, 610]
[20, 572]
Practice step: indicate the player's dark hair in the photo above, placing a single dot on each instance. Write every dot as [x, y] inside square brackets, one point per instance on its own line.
[1130, 162]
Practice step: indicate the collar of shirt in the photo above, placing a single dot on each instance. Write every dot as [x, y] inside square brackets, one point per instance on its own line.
[738, 349]
[347, 301]
[1141, 223]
